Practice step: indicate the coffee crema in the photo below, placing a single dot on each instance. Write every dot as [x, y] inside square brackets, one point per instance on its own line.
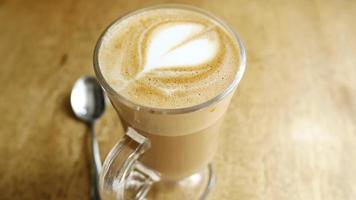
[168, 58]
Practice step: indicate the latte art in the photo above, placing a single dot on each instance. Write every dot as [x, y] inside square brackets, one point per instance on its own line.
[168, 58]
[179, 45]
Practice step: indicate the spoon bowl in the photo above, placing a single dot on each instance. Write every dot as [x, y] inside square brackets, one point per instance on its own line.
[87, 99]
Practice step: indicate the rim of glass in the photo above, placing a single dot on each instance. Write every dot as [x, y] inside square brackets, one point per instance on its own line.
[135, 106]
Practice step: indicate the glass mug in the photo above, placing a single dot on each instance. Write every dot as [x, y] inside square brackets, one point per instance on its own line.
[165, 153]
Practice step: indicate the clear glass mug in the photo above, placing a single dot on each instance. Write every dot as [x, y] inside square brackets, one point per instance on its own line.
[165, 153]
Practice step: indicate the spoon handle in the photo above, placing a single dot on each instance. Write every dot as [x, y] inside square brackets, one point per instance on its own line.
[95, 164]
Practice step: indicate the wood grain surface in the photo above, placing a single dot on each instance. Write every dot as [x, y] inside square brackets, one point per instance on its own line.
[290, 132]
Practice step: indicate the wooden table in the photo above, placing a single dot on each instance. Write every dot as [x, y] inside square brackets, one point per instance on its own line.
[290, 132]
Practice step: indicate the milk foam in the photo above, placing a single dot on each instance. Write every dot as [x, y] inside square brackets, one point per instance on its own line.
[168, 58]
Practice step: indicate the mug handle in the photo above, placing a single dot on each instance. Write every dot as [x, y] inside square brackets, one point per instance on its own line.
[122, 175]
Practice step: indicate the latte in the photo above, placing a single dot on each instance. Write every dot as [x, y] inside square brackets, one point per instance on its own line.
[168, 58]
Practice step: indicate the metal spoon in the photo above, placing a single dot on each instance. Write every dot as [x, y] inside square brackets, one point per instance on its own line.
[88, 103]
